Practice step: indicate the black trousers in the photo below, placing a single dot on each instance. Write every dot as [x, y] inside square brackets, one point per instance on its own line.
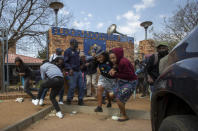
[27, 87]
[55, 84]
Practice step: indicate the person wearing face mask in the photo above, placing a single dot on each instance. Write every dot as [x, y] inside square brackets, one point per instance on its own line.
[72, 65]
[152, 66]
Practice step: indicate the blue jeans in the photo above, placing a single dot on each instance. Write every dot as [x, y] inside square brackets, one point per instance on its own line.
[75, 81]
[84, 81]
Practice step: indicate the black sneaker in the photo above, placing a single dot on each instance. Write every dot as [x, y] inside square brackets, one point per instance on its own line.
[98, 109]
[109, 105]
[68, 102]
[80, 102]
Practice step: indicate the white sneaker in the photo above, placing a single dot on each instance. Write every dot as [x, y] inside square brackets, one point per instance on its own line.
[41, 102]
[59, 115]
[60, 103]
[35, 102]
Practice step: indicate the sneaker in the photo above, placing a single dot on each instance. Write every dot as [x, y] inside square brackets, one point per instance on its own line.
[41, 102]
[68, 102]
[60, 103]
[109, 105]
[142, 96]
[98, 109]
[80, 102]
[35, 102]
[59, 115]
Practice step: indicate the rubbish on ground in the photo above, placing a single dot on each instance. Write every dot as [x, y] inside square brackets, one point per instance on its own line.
[20, 100]
[74, 112]
[1, 101]
[115, 118]
[53, 113]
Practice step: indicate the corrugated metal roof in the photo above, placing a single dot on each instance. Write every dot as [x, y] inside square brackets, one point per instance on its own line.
[26, 59]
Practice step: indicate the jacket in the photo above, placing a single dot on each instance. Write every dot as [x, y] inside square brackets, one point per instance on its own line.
[125, 69]
[71, 59]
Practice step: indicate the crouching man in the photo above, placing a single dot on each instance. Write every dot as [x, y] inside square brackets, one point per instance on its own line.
[52, 78]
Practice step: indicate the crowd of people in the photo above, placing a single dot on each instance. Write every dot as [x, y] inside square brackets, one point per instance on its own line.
[117, 79]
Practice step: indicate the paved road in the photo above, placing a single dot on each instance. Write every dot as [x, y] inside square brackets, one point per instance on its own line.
[84, 122]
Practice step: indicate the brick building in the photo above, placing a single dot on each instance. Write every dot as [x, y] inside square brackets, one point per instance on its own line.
[146, 47]
[33, 63]
[60, 37]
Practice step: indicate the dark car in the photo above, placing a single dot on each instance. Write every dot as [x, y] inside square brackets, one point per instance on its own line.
[174, 105]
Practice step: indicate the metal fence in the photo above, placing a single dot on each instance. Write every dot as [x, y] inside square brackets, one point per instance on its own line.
[4, 63]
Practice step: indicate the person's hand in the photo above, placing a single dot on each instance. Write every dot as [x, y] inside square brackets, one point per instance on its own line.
[71, 72]
[112, 72]
[21, 74]
[87, 64]
[93, 54]
[150, 79]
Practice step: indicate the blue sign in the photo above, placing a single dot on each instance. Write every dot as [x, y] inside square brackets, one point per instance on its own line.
[90, 35]
[90, 43]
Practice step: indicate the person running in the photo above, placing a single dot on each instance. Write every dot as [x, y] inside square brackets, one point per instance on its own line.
[105, 82]
[24, 71]
[126, 80]
[52, 78]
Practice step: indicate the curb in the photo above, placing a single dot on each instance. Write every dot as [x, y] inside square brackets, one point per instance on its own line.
[132, 114]
[29, 120]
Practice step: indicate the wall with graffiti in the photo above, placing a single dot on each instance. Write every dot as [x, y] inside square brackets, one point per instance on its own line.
[60, 37]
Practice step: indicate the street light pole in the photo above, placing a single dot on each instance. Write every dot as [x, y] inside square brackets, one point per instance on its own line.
[56, 5]
[146, 24]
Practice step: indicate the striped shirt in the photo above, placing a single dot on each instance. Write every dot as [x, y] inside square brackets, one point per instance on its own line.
[50, 70]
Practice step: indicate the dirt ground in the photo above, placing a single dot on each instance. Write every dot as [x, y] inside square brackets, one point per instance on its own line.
[136, 104]
[12, 111]
[85, 122]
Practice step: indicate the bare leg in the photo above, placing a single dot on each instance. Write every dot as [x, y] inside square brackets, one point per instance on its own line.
[108, 97]
[99, 94]
[122, 110]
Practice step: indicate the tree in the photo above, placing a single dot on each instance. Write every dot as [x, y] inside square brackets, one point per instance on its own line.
[179, 25]
[42, 54]
[28, 19]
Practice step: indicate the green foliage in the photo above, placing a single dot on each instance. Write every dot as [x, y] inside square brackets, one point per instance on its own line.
[176, 27]
[42, 54]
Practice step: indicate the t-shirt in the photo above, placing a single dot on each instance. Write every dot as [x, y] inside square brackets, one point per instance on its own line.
[105, 68]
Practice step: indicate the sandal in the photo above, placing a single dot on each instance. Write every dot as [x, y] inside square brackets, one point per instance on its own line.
[122, 120]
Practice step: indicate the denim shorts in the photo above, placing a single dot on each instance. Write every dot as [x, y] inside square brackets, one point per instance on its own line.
[106, 83]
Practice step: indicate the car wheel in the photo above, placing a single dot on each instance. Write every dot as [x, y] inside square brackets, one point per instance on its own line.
[179, 123]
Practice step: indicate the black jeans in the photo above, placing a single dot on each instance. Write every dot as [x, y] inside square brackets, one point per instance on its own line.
[27, 87]
[55, 84]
